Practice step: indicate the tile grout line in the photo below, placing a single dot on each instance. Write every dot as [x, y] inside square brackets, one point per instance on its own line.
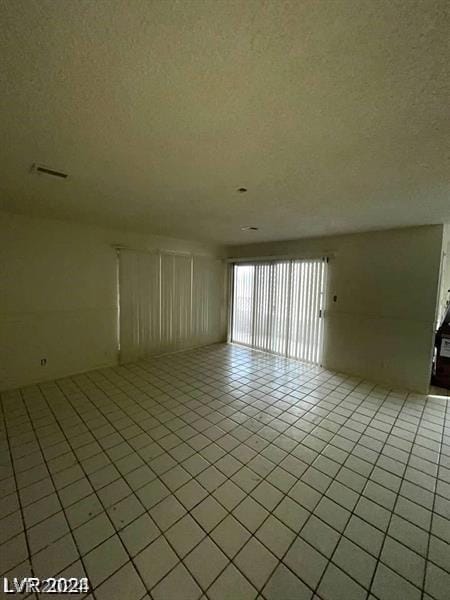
[385, 535]
[62, 507]
[352, 512]
[24, 530]
[271, 512]
[250, 415]
[341, 533]
[238, 484]
[435, 493]
[104, 452]
[252, 535]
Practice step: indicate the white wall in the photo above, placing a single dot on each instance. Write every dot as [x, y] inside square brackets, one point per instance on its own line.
[382, 325]
[58, 296]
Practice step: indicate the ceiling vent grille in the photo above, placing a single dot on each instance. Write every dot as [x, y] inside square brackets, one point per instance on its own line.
[44, 170]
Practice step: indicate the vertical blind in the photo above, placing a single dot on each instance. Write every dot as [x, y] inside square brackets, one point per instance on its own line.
[167, 301]
[278, 306]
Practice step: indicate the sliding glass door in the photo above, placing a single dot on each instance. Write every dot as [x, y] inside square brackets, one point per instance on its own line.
[278, 307]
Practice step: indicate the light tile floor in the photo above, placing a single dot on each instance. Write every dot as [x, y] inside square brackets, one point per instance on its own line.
[223, 473]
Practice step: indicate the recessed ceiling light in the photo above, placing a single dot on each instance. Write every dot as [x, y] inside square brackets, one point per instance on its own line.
[242, 190]
[249, 228]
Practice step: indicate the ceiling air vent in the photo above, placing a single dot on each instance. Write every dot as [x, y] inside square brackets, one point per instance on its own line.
[44, 170]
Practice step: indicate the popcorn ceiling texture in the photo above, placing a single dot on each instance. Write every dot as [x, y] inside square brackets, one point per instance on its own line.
[334, 115]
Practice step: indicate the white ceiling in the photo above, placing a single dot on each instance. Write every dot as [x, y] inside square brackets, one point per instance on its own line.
[334, 114]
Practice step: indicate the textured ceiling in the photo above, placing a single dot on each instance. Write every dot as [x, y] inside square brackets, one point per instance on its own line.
[334, 114]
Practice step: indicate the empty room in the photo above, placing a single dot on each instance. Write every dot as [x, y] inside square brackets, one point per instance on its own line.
[224, 299]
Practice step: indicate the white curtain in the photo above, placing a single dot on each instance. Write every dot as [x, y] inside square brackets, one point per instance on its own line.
[278, 307]
[168, 302]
